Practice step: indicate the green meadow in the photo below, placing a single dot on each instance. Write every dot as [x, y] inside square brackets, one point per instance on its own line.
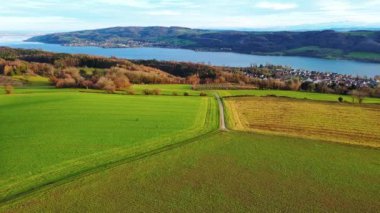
[364, 55]
[77, 150]
[294, 94]
[167, 89]
[46, 136]
[227, 172]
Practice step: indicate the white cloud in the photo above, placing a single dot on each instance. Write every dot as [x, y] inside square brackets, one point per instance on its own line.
[347, 11]
[288, 20]
[143, 4]
[335, 5]
[150, 4]
[276, 6]
[29, 4]
[45, 23]
[163, 13]
[56, 15]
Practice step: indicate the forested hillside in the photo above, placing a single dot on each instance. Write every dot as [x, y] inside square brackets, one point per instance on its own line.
[357, 45]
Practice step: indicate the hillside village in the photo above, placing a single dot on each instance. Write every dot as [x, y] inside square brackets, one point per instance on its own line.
[286, 73]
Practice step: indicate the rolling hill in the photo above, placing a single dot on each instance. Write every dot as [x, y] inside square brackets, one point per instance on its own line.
[354, 45]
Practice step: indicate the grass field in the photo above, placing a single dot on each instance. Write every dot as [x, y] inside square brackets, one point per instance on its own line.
[294, 94]
[355, 124]
[76, 150]
[47, 136]
[42, 85]
[365, 55]
[316, 51]
[227, 172]
[32, 80]
[167, 89]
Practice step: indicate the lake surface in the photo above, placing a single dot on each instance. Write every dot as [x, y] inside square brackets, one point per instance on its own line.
[214, 58]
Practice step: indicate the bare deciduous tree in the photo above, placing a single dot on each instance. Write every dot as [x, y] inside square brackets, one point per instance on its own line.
[358, 95]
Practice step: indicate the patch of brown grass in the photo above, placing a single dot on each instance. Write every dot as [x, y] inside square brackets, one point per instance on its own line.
[335, 122]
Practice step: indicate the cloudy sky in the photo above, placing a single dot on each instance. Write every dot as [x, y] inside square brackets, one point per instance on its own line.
[67, 15]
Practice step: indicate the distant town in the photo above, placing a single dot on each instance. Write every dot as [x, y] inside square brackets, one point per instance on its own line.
[112, 44]
[316, 77]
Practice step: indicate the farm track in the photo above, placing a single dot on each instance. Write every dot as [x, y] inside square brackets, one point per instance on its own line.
[222, 120]
[87, 172]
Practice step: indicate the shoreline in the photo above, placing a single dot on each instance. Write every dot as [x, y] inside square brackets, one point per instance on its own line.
[295, 61]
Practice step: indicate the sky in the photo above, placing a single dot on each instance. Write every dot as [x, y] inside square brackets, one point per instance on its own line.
[70, 15]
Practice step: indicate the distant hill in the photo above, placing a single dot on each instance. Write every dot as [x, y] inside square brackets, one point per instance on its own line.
[356, 45]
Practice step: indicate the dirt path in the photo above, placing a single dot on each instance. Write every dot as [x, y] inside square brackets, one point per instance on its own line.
[222, 121]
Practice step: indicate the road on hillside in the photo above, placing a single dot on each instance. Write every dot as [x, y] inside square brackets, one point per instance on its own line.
[222, 122]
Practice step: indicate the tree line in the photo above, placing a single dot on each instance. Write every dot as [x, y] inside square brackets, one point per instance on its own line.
[84, 71]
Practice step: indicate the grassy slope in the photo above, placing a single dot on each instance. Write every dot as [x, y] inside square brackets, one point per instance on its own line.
[294, 94]
[330, 53]
[315, 51]
[354, 124]
[49, 135]
[32, 81]
[364, 55]
[228, 172]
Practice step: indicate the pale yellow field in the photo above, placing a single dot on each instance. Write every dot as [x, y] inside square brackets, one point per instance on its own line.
[346, 123]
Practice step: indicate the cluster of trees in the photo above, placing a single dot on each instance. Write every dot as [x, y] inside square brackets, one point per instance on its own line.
[111, 74]
[23, 61]
[19, 67]
[59, 59]
[182, 69]
[207, 74]
[369, 92]
[293, 84]
[83, 71]
[225, 76]
[196, 73]
[358, 95]
[323, 87]
[113, 79]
